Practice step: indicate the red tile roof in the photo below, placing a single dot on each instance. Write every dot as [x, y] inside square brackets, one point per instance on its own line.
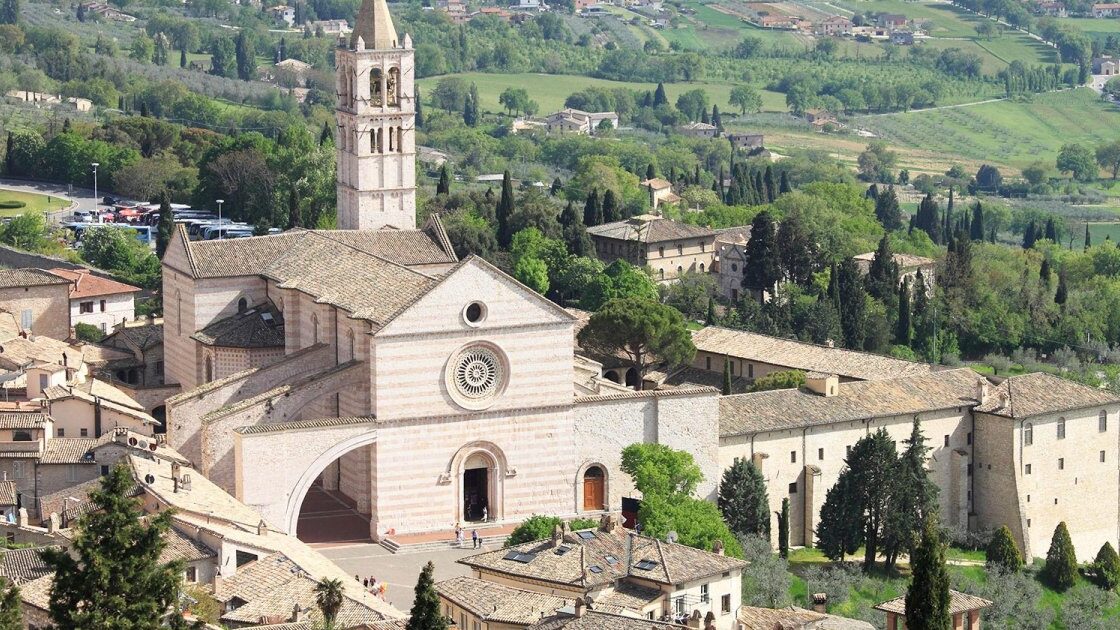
[84, 284]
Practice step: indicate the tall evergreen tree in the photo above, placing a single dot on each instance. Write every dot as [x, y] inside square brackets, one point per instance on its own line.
[924, 322]
[11, 608]
[1003, 553]
[425, 613]
[1088, 237]
[882, 274]
[166, 226]
[611, 210]
[927, 599]
[1062, 293]
[771, 184]
[9, 155]
[976, 228]
[717, 120]
[783, 529]
[443, 187]
[650, 173]
[505, 211]
[1060, 570]
[325, 134]
[913, 497]
[872, 463]
[246, 56]
[840, 529]
[853, 304]
[295, 217]
[710, 318]
[1044, 272]
[659, 97]
[1029, 236]
[470, 111]
[742, 499]
[761, 267]
[112, 571]
[797, 251]
[1051, 230]
[726, 391]
[872, 192]
[592, 209]
[902, 324]
[928, 219]
[575, 232]
[183, 58]
[1106, 567]
[784, 186]
[887, 210]
[556, 188]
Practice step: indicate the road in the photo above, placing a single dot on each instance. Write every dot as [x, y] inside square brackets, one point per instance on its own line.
[83, 196]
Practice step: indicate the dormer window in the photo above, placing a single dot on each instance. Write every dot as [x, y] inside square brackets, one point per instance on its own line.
[242, 305]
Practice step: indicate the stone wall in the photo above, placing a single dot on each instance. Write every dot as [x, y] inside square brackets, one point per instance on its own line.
[49, 306]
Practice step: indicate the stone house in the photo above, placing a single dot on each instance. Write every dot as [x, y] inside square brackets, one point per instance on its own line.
[283, 13]
[1106, 10]
[963, 608]
[908, 267]
[571, 120]
[747, 141]
[731, 260]
[835, 26]
[39, 300]
[892, 20]
[669, 248]
[331, 27]
[622, 572]
[96, 301]
[1106, 65]
[660, 191]
[1052, 9]
[699, 130]
[142, 342]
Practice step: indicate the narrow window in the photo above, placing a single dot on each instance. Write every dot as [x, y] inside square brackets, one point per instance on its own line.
[102, 306]
[661, 252]
[1102, 457]
[1028, 469]
[946, 440]
[242, 305]
[793, 457]
[708, 362]
[84, 432]
[793, 488]
[725, 604]
[26, 317]
[1102, 421]
[1061, 463]
[750, 370]
[680, 249]
[705, 595]
[61, 432]
[820, 454]
[1028, 434]
[969, 442]
[1061, 428]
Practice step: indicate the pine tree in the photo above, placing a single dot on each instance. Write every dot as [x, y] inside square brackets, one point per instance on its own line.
[295, 218]
[797, 251]
[1061, 294]
[1088, 238]
[726, 377]
[742, 498]
[1044, 272]
[592, 209]
[872, 464]
[11, 609]
[840, 530]
[927, 599]
[443, 187]
[784, 187]
[611, 210]
[783, 529]
[761, 270]
[902, 324]
[1106, 567]
[166, 226]
[1002, 552]
[425, 613]
[976, 228]
[659, 97]
[505, 211]
[1060, 570]
[112, 570]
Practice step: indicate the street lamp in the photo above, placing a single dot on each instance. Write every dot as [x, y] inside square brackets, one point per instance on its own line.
[220, 202]
[95, 165]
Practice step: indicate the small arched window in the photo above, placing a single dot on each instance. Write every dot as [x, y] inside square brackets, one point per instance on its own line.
[680, 249]
[242, 305]
[661, 272]
[350, 342]
[661, 252]
[375, 86]
[1028, 434]
[701, 267]
[734, 267]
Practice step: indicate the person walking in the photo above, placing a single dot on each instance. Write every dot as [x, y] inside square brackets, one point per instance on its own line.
[458, 535]
[475, 539]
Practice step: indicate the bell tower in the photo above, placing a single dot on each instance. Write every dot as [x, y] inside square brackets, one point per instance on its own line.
[376, 117]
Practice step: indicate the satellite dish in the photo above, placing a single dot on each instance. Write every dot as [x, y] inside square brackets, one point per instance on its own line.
[671, 537]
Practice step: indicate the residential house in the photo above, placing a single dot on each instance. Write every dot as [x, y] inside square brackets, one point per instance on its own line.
[497, 12]
[331, 27]
[748, 141]
[776, 21]
[529, 6]
[1051, 9]
[106, 11]
[97, 301]
[660, 191]
[794, 618]
[620, 571]
[699, 130]
[1106, 10]
[892, 20]
[835, 26]
[669, 248]
[572, 120]
[142, 342]
[1106, 64]
[902, 38]
[93, 407]
[963, 608]
[819, 118]
[908, 267]
[283, 13]
[72, 103]
[38, 299]
[290, 73]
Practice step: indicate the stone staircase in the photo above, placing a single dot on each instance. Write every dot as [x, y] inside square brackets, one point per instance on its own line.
[404, 545]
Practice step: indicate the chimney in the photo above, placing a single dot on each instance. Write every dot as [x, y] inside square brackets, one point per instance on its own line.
[297, 613]
[982, 391]
[53, 523]
[22, 518]
[826, 385]
[606, 523]
[581, 607]
[717, 547]
[175, 476]
[820, 602]
[557, 535]
[262, 528]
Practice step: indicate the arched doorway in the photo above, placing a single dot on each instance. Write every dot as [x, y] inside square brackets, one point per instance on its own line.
[594, 489]
[477, 485]
[633, 378]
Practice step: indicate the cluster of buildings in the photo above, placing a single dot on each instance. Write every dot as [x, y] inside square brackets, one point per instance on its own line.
[107, 11]
[40, 99]
[460, 12]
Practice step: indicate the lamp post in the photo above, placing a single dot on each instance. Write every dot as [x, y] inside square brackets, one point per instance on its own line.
[220, 202]
[95, 165]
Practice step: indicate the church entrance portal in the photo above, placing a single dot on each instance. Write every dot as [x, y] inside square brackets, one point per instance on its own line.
[476, 488]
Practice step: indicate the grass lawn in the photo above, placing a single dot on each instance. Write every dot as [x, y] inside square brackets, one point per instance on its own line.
[550, 91]
[1093, 26]
[1004, 133]
[1098, 232]
[34, 202]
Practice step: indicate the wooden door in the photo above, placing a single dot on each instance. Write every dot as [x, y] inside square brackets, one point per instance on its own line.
[592, 493]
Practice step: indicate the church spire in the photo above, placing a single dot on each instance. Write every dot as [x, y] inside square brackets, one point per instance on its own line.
[374, 27]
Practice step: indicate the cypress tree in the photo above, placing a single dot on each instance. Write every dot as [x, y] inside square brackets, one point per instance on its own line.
[505, 211]
[853, 304]
[575, 232]
[1051, 230]
[470, 108]
[556, 188]
[902, 325]
[882, 274]
[743, 501]
[426, 613]
[872, 192]
[840, 530]
[761, 270]
[611, 210]
[913, 498]
[1002, 552]
[927, 599]
[727, 378]
[1029, 236]
[325, 134]
[9, 156]
[717, 120]
[112, 571]
[650, 173]
[1088, 237]
[711, 317]
[887, 210]
[784, 186]
[1060, 570]
[771, 185]
[444, 185]
[1044, 272]
[783, 529]
[1061, 294]
[659, 97]
[976, 228]
[295, 217]
[183, 58]
[592, 210]
[166, 226]
[11, 609]
[246, 55]
[1106, 567]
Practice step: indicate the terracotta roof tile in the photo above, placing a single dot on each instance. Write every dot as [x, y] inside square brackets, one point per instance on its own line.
[23, 565]
[649, 229]
[497, 603]
[8, 492]
[259, 327]
[958, 602]
[17, 278]
[1039, 393]
[594, 620]
[22, 420]
[792, 618]
[84, 284]
[180, 546]
[69, 451]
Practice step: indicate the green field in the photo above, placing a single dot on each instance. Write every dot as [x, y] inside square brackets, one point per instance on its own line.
[1098, 232]
[34, 202]
[1093, 26]
[549, 91]
[1005, 133]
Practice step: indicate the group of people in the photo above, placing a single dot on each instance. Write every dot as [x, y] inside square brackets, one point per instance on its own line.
[380, 589]
[476, 540]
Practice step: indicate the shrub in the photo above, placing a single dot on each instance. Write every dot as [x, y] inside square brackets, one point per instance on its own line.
[11, 205]
[1060, 570]
[786, 379]
[88, 332]
[1002, 552]
[1106, 567]
[539, 527]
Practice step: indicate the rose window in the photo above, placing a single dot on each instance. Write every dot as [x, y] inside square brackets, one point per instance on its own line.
[477, 373]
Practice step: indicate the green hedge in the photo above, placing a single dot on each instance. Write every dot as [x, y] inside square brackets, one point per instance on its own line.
[11, 205]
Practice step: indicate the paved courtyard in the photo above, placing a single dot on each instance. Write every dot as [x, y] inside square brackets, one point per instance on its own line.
[400, 570]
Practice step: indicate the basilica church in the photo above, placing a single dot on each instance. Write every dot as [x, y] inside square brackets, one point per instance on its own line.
[371, 363]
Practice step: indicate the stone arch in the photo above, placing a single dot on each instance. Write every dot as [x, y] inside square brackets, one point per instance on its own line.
[498, 470]
[375, 91]
[633, 377]
[612, 375]
[579, 484]
[314, 328]
[400, 139]
[242, 304]
[316, 468]
[393, 87]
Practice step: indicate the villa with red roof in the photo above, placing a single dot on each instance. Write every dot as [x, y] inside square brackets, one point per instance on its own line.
[98, 301]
